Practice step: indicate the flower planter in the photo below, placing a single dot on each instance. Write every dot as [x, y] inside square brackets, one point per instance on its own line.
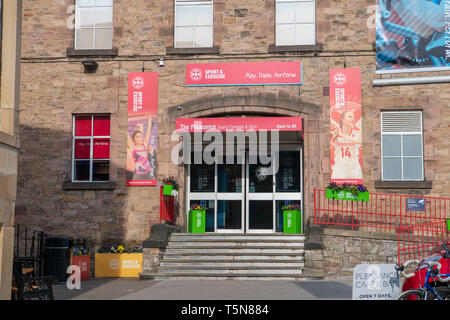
[118, 265]
[347, 195]
[197, 221]
[83, 262]
[292, 222]
[448, 225]
[167, 190]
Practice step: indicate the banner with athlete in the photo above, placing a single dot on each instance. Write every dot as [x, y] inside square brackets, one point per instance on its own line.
[345, 126]
[142, 134]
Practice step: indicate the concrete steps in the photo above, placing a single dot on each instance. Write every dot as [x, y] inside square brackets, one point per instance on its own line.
[231, 256]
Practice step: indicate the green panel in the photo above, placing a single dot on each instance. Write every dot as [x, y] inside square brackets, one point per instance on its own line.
[167, 189]
[292, 222]
[197, 221]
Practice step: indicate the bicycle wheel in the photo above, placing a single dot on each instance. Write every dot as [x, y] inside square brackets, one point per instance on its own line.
[412, 295]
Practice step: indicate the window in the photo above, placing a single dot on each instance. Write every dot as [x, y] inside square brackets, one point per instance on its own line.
[93, 24]
[91, 148]
[295, 22]
[193, 23]
[402, 146]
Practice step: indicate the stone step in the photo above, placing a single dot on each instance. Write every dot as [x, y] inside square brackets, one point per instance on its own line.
[234, 237]
[221, 264]
[248, 244]
[220, 276]
[231, 258]
[235, 251]
[223, 272]
[232, 266]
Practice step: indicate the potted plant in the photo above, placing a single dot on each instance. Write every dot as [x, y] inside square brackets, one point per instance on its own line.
[170, 186]
[197, 219]
[347, 192]
[116, 261]
[292, 219]
[81, 258]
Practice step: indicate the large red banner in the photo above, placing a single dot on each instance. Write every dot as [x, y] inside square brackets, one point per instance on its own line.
[244, 74]
[142, 128]
[345, 126]
[239, 124]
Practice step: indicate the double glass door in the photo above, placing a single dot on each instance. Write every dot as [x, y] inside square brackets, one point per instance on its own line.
[246, 196]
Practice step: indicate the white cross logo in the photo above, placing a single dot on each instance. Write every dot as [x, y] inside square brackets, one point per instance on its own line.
[138, 83]
[340, 79]
[196, 74]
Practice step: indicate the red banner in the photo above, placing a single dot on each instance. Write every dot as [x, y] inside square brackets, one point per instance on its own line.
[239, 124]
[244, 74]
[345, 126]
[142, 128]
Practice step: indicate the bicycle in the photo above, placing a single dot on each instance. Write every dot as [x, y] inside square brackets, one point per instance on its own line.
[425, 292]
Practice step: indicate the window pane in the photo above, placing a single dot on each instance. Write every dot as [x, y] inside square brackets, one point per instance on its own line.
[103, 17]
[103, 39]
[285, 35]
[412, 145]
[279, 212]
[86, 3]
[229, 214]
[104, 3]
[203, 37]
[184, 36]
[202, 178]
[209, 205]
[85, 39]
[392, 145]
[82, 148]
[260, 214]
[82, 170]
[392, 169]
[288, 176]
[83, 126]
[260, 178]
[184, 16]
[101, 126]
[412, 169]
[100, 171]
[304, 12]
[203, 16]
[101, 149]
[86, 17]
[229, 177]
[285, 13]
[305, 34]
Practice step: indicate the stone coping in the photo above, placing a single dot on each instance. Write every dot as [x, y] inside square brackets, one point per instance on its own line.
[360, 234]
[9, 140]
[403, 185]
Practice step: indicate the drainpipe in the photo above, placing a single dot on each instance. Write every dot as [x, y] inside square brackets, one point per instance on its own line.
[410, 81]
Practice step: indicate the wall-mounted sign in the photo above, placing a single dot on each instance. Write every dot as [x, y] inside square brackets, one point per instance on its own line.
[142, 128]
[413, 35]
[239, 124]
[345, 126]
[244, 74]
[415, 204]
[375, 282]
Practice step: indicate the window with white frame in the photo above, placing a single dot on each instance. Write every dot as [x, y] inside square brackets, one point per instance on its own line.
[295, 22]
[93, 24]
[193, 23]
[91, 148]
[402, 146]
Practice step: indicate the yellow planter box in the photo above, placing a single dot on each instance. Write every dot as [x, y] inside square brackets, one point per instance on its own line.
[121, 265]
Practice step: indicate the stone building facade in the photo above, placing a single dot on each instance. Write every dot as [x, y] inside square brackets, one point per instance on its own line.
[55, 87]
[9, 141]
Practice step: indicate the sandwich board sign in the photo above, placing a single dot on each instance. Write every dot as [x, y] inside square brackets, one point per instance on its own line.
[375, 282]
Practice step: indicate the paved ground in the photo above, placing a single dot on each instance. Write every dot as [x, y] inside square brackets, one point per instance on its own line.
[133, 289]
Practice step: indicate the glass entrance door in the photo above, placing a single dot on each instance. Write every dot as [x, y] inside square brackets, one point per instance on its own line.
[246, 197]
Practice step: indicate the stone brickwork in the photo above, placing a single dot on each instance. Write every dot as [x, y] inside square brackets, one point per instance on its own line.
[54, 86]
[343, 250]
